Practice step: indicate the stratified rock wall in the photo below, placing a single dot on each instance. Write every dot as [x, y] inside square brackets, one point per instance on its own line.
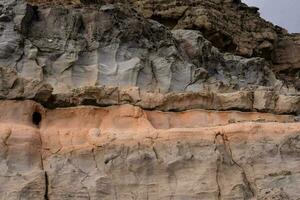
[71, 47]
[154, 100]
[111, 45]
[124, 152]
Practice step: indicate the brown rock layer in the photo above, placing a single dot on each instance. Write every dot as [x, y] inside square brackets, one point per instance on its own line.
[262, 100]
[229, 24]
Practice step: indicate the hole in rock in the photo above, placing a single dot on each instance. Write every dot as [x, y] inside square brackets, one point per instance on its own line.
[36, 118]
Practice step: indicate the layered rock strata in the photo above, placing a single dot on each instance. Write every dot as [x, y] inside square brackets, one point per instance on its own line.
[70, 47]
[124, 152]
[147, 100]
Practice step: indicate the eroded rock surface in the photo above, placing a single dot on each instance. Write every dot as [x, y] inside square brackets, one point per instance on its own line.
[71, 47]
[145, 99]
[124, 152]
[262, 99]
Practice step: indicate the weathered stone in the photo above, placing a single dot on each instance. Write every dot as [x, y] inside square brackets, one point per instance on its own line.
[224, 71]
[288, 104]
[286, 55]
[67, 49]
[148, 99]
[120, 151]
[264, 100]
[14, 87]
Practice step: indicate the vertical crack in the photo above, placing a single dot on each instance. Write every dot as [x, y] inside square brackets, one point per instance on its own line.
[19, 60]
[217, 178]
[46, 195]
[46, 177]
[153, 71]
[6, 138]
[227, 156]
[155, 153]
[5, 143]
[94, 158]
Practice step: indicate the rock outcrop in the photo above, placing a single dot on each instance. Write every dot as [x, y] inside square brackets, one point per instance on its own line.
[286, 59]
[160, 99]
[70, 48]
[124, 152]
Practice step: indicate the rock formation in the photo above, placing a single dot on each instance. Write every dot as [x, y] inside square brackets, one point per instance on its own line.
[144, 99]
[124, 152]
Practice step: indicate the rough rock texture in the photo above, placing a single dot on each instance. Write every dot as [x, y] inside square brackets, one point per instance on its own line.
[262, 99]
[287, 53]
[229, 24]
[232, 27]
[14, 87]
[124, 152]
[74, 47]
[286, 59]
[110, 45]
[160, 99]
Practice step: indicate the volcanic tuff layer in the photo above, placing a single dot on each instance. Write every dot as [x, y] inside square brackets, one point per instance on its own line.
[145, 99]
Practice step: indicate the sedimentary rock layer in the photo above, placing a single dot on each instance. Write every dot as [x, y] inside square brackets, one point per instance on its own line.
[262, 100]
[62, 56]
[157, 99]
[110, 44]
[124, 152]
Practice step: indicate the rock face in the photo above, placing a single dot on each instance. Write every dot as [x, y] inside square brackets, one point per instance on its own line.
[68, 48]
[145, 99]
[286, 59]
[230, 25]
[124, 152]
[71, 48]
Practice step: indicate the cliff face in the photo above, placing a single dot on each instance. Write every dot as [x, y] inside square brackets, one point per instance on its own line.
[147, 100]
[125, 152]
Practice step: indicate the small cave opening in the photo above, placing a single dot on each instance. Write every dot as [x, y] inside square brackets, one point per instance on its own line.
[36, 118]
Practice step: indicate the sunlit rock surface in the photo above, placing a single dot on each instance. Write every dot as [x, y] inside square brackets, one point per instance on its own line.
[147, 100]
[124, 152]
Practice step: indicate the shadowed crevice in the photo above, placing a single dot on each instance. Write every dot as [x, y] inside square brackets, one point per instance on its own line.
[36, 118]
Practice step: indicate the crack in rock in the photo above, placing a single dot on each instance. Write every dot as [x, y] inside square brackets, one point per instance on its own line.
[46, 195]
[226, 158]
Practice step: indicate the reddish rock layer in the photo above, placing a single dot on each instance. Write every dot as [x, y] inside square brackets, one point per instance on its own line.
[123, 152]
